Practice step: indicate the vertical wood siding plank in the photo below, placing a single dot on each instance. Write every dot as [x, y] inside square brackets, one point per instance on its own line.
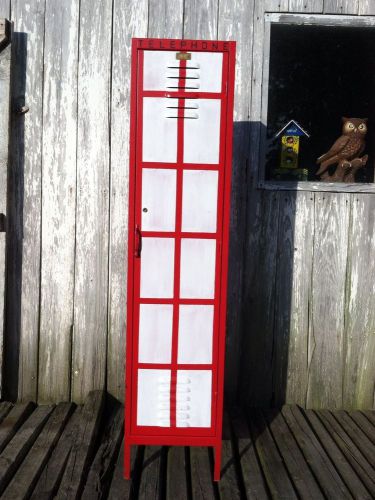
[259, 265]
[201, 19]
[306, 6]
[4, 144]
[92, 219]
[129, 20]
[273, 5]
[341, 6]
[360, 307]
[58, 198]
[326, 332]
[5, 9]
[366, 7]
[294, 266]
[25, 201]
[233, 17]
[165, 18]
[259, 300]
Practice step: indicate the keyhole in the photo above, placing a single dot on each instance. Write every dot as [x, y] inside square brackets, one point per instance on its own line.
[145, 210]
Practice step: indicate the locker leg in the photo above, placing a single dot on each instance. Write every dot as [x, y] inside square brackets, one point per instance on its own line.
[217, 465]
[127, 461]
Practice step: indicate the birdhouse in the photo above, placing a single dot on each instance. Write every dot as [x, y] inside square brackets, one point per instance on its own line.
[290, 148]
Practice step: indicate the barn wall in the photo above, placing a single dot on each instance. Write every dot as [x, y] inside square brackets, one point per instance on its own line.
[301, 317]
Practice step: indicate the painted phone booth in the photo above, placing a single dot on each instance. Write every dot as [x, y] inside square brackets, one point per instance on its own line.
[179, 197]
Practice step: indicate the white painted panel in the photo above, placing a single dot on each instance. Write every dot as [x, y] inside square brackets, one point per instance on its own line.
[197, 279]
[193, 407]
[155, 68]
[158, 199]
[199, 201]
[159, 143]
[157, 259]
[155, 333]
[152, 404]
[195, 334]
[202, 136]
[210, 70]
[160, 70]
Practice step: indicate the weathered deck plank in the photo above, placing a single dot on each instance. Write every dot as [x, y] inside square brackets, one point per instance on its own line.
[82, 449]
[299, 471]
[229, 485]
[102, 467]
[176, 474]
[350, 478]
[364, 424]
[150, 484]
[370, 414]
[27, 475]
[326, 474]
[356, 459]
[201, 474]
[18, 447]
[253, 479]
[273, 467]
[5, 408]
[50, 478]
[358, 437]
[13, 421]
[121, 489]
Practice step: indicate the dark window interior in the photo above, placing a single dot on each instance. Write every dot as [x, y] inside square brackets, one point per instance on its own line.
[317, 75]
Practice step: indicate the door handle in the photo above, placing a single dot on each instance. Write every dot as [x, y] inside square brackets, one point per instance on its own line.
[138, 242]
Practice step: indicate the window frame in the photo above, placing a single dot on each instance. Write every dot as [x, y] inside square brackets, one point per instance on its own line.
[302, 19]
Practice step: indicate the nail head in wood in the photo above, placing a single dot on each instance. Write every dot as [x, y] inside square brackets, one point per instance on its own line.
[2, 223]
[22, 110]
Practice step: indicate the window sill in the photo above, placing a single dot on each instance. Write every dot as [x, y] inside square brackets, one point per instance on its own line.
[333, 187]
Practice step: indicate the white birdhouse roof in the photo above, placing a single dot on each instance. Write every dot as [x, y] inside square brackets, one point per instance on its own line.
[293, 128]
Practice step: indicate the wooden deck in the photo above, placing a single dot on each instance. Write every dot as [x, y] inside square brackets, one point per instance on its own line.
[76, 452]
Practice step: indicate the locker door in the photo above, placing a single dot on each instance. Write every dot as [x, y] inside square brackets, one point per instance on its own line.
[178, 241]
[178, 205]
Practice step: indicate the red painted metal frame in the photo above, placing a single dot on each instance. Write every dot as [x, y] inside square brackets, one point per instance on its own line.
[137, 435]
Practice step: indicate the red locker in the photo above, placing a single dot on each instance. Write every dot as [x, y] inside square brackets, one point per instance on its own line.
[179, 197]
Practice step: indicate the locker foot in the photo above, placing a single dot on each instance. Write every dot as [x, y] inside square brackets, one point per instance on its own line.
[217, 465]
[127, 462]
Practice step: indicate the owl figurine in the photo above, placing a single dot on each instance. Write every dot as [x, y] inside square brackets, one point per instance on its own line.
[350, 145]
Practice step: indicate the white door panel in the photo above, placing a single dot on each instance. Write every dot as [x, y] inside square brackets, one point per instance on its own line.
[155, 333]
[156, 68]
[157, 267]
[158, 199]
[197, 277]
[195, 334]
[194, 404]
[159, 142]
[202, 136]
[153, 408]
[199, 201]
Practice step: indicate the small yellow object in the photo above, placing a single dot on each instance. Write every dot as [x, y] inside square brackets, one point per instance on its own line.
[289, 151]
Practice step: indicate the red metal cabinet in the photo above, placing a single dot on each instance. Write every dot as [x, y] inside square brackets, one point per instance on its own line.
[179, 196]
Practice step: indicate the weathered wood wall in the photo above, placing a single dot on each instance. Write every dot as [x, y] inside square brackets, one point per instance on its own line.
[301, 317]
